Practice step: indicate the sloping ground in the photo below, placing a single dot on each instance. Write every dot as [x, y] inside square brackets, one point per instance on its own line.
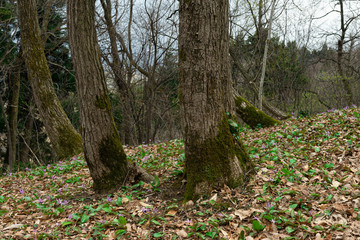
[306, 187]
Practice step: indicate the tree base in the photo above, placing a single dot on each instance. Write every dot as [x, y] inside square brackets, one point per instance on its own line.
[216, 162]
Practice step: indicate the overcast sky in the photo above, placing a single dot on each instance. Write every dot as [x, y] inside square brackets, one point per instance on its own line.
[318, 18]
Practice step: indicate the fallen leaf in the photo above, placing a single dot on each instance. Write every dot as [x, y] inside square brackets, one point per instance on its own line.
[335, 184]
[172, 212]
[214, 198]
[242, 214]
[13, 226]
[146, 205]
[318, 236]
[182, 233]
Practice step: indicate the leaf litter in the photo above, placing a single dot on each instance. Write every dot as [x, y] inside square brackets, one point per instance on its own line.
[306, 186]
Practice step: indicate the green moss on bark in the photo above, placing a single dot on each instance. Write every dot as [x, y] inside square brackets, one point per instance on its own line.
[69, 142]
[102, 102]
[210, 164]
[253, 116]
[113, 157]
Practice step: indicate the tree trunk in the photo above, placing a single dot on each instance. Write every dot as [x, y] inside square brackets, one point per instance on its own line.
[148, 116]
[340, 52]
[8, 161]
[263, 68]
[213, 156]
[277, 113]
[29, 124]
[103, 150]
[64, 138]
[14, 77]
[251, 115]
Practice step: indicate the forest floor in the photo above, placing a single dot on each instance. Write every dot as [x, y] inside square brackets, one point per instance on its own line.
[306, 186]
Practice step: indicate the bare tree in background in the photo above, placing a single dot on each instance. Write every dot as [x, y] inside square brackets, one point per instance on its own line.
[250, 65]
[266, 48]
[137, 49]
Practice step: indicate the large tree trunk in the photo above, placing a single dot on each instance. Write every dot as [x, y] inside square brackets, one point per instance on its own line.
[64, 138]
[213, 156]
[103, 150]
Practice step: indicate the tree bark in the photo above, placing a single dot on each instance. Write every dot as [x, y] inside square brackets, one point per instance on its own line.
[263, 68]
[65, 140]
[8, 161]
[14, 109]
[26, 143]
[340, 53]
[103, 150]
[213, 156]
[251, 115]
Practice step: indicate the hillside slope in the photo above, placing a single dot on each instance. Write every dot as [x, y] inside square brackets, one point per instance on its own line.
[306, 187]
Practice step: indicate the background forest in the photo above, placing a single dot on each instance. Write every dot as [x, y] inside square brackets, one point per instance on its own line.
[312, 65]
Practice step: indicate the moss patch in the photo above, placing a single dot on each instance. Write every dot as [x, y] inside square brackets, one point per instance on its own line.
[208, 163]
[102, 102]
[253, 116]
[113, 157]
[69, 142]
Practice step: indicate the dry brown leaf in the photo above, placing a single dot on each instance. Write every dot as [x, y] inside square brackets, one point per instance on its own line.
[172, 212]
[318, 236]
[146, 205]
[181, 233]
[13, 226]
[242, 214]
[214, 197]
[335, 183]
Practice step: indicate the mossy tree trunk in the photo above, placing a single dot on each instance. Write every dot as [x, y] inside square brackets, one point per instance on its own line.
[103, 150]
[251, 115]
[64, 138]
[213, 156]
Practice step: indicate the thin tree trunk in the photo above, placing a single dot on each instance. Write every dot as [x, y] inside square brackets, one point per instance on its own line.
[263, 69]
[65, 140]
[149, 107]
[103, 150]
[340, 53]
[9, 161]
[25, 147]
[14, 108]
[277, 113]
[213, 156]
